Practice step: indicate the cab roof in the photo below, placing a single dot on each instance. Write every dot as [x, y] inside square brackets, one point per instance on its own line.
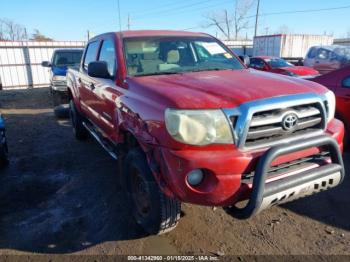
[149, 33]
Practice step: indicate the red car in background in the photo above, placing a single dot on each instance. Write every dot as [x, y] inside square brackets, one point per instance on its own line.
[280, 66]
[339, 82]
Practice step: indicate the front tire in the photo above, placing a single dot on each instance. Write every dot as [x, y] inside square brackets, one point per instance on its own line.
[79, 130]
[56, 98]
[153, 211]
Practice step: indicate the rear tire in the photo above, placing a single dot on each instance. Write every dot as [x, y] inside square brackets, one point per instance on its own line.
[153, 211]
[3, 151]
[79, 130]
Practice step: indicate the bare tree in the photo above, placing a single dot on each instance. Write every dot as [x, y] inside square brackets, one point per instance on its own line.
[2, 31]
[221, 22]
[9, 30]
[348, 34]
[226, 23]
[239, 20]
[37, 36]
[284, 29]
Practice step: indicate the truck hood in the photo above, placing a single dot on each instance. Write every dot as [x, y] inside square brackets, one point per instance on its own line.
[301, 70]
[219, 89]
[59, 71]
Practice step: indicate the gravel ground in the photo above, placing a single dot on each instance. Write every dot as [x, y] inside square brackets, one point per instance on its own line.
[61, 196]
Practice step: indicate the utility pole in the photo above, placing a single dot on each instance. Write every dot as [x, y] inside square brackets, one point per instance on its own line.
[266, 30]
[120, 19]
[88, 35]
[129, 22]
[257, 18]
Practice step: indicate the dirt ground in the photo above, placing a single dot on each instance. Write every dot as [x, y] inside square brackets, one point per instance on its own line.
[62, 196]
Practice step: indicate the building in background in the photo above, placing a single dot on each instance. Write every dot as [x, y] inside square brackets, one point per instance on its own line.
[342, 41]
[288, 46]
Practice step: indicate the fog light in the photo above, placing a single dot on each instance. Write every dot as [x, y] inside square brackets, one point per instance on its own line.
[195, 177]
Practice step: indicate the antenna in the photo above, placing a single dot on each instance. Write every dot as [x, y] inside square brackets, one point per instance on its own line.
[120, 21]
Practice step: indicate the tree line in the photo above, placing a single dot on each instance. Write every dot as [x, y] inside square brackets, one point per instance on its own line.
[12, 31]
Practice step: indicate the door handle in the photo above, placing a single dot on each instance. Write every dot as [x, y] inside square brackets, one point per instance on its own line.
[92, 86]
[317, 62]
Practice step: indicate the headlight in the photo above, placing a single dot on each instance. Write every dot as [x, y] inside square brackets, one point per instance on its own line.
[58, 78]
[198, 127]
[331, 104]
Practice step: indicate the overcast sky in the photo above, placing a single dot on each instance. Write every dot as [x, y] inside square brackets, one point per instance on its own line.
[70, 19]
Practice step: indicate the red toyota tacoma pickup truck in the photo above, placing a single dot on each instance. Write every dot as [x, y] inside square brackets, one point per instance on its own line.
[191, 123]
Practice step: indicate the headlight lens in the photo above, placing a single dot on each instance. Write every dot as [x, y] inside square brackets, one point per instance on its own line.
[198, 127]
[331, 104]
[58, 78]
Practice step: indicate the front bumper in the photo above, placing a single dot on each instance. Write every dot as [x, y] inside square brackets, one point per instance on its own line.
[265, 195]
[224, 169]
[59, 86]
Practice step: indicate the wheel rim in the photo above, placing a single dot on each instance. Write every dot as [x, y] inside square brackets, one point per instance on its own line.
[140, 194]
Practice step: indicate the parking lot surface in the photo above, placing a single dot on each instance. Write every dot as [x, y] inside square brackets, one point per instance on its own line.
[62, 196]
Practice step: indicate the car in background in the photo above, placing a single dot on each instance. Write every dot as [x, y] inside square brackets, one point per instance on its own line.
[280, 66]
[3, 144]
[339, 82]
[62, 59]
[327, 58]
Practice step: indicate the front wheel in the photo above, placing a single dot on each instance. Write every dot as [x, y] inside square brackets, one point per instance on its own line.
[79, 130]
[153, 211]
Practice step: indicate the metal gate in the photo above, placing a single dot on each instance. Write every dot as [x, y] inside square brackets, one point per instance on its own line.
[20, 62]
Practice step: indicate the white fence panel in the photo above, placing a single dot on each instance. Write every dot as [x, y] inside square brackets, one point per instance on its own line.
[20, 62]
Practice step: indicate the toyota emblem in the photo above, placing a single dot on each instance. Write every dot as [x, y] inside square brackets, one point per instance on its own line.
[290, 122]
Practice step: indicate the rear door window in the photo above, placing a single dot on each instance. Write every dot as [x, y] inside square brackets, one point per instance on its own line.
[91, 53]
[108, 55]
[257, 63]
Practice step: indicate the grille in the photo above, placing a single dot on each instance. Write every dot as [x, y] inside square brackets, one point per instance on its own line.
[319, 159]
[267, 127]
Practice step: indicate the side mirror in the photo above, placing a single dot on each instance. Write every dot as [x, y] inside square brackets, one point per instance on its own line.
[98, 69]
[346, 82]
[246, 60]
[46, 64]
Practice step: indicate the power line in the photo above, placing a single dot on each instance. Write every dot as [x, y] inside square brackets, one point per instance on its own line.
[285, 12]
[302, 11]
[157, 7]
[175, 9]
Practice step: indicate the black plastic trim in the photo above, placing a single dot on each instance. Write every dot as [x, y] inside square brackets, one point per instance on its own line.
[260, 189]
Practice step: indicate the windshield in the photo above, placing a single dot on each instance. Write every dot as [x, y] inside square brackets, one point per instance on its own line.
[172, 55]
[278, 63]
[67, 58]
[343, 52]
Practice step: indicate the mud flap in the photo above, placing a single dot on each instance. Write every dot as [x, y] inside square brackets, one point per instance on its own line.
[294, 187]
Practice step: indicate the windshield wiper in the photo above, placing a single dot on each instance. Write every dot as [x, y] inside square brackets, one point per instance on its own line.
[209, 69]
[161, 73]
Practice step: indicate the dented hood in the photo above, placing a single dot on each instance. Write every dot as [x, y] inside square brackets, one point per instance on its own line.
[219, 89]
